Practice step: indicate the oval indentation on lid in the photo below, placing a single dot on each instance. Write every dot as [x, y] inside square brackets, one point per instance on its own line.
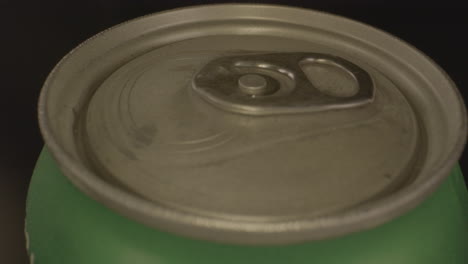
[330, 77]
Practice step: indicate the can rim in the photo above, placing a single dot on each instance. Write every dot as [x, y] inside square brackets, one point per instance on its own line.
[180, 222]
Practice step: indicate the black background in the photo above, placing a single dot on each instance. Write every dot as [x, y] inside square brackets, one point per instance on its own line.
[36, 34]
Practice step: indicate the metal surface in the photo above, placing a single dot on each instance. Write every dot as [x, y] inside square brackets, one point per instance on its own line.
[122, 118]
[290, 83]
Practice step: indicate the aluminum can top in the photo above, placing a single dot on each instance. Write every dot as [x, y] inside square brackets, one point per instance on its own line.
[252, 124]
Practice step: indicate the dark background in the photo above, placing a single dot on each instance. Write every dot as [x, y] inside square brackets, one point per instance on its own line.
[35, 35]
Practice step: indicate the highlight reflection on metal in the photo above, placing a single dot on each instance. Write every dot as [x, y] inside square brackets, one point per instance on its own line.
[290, 83]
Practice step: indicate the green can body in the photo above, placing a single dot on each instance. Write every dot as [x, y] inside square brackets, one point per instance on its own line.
[63, 225]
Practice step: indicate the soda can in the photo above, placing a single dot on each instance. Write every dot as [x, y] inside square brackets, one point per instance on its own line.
[243, 133]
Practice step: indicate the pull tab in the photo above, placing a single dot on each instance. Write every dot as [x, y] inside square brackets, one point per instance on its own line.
[283, 83]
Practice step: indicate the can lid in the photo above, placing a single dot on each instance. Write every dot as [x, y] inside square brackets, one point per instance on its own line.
[252, 123]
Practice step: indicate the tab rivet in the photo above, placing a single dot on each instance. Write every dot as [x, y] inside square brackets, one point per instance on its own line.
[253, 84]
